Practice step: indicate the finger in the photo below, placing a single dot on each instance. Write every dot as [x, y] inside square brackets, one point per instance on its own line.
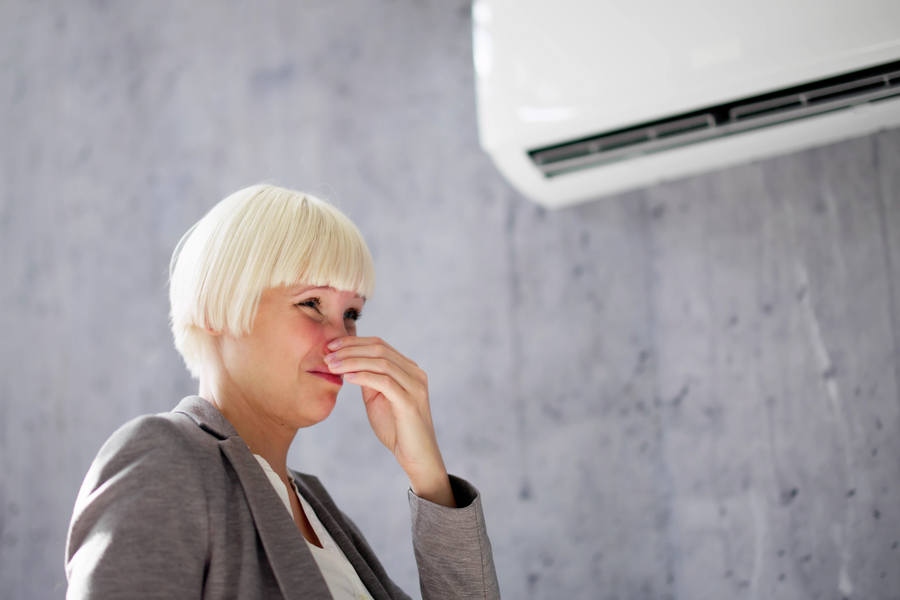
[352, 340]
[358, 342]
[411, 383]
[368, 346]
[388, 386]
[370, 351]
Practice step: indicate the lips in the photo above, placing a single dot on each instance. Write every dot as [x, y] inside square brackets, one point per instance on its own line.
[328, 376]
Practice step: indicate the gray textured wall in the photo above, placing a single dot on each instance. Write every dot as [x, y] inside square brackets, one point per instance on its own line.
[685, 392]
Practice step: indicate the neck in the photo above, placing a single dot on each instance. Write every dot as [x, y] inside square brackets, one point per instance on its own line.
[264, 434]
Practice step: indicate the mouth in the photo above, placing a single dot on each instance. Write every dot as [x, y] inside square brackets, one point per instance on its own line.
[330, 377]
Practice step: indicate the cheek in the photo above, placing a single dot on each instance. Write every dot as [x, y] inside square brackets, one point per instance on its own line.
[306, 337]
[238, 355]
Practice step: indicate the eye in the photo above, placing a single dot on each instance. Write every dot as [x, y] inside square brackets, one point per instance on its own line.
[313, 303]
[352, 314]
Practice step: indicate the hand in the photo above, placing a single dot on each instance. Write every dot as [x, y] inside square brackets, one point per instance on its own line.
[395, 392]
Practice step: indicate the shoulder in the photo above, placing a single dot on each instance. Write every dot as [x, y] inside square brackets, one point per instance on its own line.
[167, 446]
[166, 435]
[146, 489]
[149, 466]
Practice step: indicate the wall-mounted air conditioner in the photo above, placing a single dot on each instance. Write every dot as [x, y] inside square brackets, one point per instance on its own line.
[578, 99]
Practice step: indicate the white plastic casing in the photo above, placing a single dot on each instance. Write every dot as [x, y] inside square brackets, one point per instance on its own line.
[551, 72]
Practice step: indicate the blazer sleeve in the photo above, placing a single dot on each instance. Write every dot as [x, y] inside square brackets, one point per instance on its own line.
[140, 524]
[452, 548]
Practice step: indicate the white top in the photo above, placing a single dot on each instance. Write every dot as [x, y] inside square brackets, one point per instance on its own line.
[339, 574]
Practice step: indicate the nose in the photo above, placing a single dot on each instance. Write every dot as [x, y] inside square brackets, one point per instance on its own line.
[334, 331]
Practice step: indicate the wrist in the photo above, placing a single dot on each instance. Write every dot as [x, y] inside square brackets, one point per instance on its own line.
[435, 489]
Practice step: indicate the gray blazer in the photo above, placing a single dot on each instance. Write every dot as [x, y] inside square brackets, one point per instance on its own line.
[176, 506]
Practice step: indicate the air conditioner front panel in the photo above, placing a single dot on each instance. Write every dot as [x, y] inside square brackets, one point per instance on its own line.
[551, 71]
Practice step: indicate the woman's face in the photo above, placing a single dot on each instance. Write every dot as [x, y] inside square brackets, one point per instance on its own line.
[279, 368]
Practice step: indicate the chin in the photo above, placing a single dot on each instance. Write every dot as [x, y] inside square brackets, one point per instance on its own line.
[315, 411]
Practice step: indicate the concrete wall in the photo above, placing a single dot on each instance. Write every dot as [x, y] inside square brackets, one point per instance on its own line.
[685, 392]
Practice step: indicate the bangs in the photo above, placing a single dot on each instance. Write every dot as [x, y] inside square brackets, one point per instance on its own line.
[329, 253]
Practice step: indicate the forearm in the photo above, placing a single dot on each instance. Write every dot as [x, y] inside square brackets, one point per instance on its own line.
[452, 548]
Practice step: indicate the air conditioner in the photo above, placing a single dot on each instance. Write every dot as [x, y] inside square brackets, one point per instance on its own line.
[578, 100]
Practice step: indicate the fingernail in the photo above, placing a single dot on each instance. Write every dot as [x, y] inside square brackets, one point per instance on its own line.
[335, 344]
[330, 357]
[335, 364]
[349, 375]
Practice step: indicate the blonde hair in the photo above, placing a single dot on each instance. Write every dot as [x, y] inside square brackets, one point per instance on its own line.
[258, 238]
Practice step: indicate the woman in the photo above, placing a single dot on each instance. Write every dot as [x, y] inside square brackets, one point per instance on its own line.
[265, 292]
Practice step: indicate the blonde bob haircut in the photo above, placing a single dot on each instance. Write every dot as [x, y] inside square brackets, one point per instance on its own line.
[258, 238]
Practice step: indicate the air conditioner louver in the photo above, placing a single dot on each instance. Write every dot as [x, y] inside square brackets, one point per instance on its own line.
[798, 102]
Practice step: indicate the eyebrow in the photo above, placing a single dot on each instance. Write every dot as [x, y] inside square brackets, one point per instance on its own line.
[308, 289]
[318, 287]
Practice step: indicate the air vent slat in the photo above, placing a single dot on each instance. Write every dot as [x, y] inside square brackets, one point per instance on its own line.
[835, 93]
[757, 109]
[846, 89]
[625, 139]
[684, 125]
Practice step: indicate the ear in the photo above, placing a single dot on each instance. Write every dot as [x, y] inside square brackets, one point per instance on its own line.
[212, 332]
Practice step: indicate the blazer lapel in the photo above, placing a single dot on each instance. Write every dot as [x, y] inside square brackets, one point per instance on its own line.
[292, 563]
[339, 534]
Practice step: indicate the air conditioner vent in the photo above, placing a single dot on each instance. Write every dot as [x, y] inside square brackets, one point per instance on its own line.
[834, 93]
